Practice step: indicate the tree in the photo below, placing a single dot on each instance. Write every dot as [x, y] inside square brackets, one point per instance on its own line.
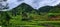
[6, 19]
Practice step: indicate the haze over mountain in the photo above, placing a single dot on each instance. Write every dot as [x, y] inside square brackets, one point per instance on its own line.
[36, 4]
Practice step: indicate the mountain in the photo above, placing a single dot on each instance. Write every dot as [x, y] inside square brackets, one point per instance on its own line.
[21, 8]
[51, 9]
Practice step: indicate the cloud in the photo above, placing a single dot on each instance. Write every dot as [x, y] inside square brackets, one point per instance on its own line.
[36, 4]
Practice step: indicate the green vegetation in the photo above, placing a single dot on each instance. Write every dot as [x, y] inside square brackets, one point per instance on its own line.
[26, 16]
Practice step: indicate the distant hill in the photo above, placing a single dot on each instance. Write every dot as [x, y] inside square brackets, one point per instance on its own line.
[50, 9]
[26, 8]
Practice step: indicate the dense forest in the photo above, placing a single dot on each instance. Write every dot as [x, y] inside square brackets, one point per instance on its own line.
[25, 16]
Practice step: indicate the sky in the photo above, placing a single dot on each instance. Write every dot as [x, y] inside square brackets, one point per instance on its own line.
[36, 4]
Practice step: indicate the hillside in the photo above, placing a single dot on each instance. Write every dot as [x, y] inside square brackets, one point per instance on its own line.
[25, 16]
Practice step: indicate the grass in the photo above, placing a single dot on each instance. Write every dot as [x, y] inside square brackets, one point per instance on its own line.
[33, 26]
[17, 20]
[35, 23]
